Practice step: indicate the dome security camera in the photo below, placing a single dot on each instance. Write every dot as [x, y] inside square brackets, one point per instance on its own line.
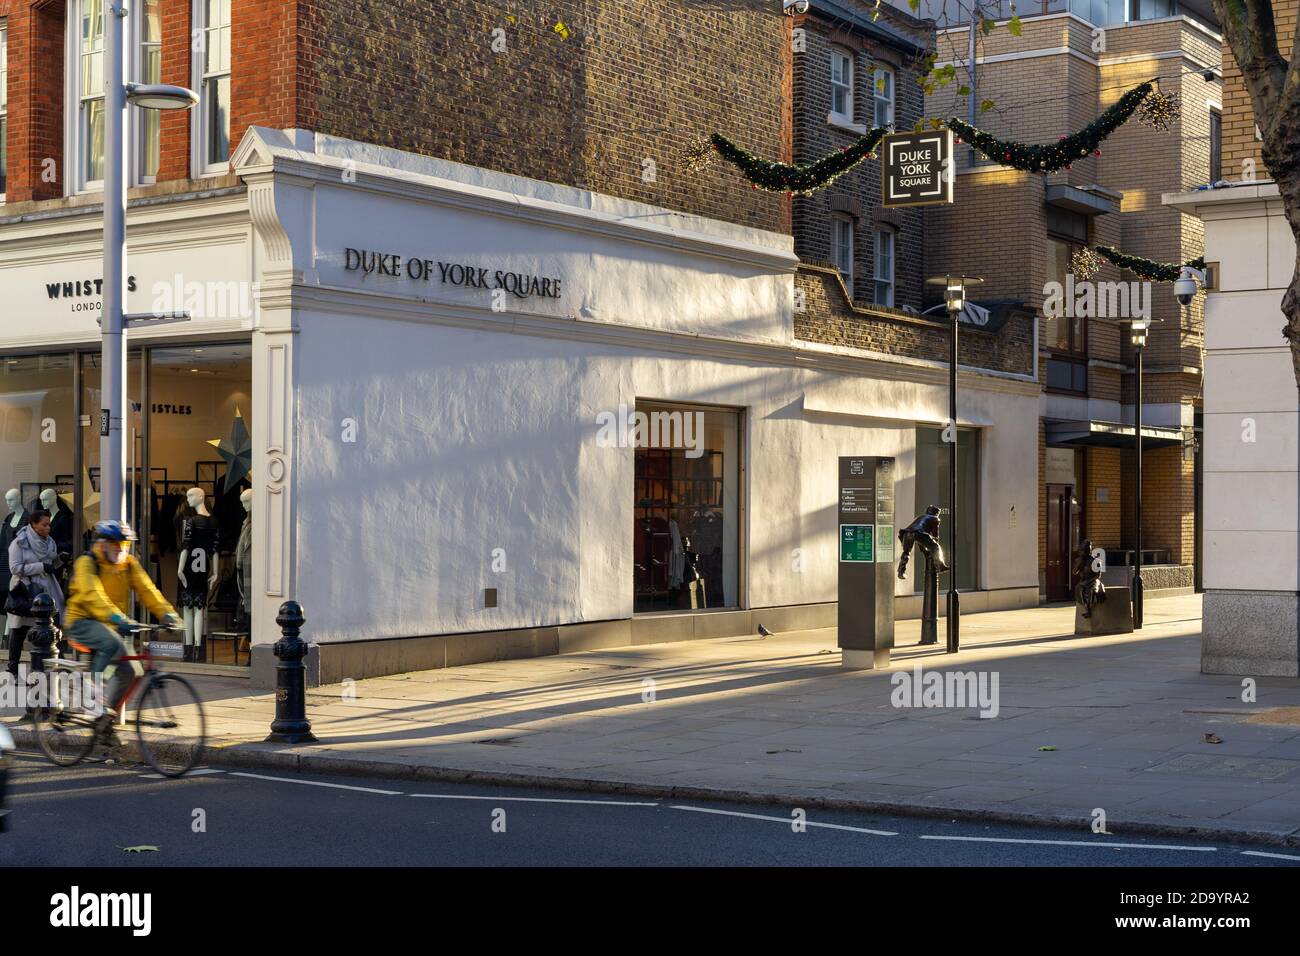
[793, 7]
[1185, 287]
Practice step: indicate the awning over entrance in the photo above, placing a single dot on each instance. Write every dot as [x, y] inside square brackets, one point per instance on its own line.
[1110, 434]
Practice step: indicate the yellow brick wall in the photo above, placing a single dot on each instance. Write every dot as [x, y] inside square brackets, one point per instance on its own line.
[1239, 142]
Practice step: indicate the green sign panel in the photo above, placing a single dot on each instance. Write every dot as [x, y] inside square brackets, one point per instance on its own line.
[856, 542]
[885, 543]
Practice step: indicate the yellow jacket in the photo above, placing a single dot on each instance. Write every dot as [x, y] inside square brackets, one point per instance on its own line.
[101, 592]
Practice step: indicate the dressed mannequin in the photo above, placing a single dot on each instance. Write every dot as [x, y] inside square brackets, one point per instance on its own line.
[60, 519]
[244, 559]
[198, 571]
[13, 522]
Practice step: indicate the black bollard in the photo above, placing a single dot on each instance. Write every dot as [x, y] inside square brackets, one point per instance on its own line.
[291, 725]
[40, 644]
[42, 634]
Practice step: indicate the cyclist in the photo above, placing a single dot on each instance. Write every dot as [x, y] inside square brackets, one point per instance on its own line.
[102, 581]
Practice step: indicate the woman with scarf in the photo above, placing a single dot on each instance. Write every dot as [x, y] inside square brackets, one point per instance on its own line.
[34, 561]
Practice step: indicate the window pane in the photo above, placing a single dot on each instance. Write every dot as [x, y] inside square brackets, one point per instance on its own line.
[4, 137]
[686, 512]
[932, 489]
[884, 293]
[38, 434]
[151, 22]
[93, 133]
[218, 91]
[150, 142]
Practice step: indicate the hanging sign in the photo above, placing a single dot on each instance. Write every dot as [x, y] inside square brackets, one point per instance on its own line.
[917, 169]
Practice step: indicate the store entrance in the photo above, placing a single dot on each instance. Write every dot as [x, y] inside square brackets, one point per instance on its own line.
[1062, 540]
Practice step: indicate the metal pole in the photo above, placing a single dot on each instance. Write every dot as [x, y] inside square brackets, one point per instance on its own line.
[1137, 501]
[954, 603]
[112, 446]
[971, 111]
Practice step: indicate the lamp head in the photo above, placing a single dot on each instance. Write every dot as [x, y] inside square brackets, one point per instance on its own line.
[160, 96]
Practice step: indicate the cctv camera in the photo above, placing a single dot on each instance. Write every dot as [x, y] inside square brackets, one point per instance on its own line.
[1186, 285]
[791, 7]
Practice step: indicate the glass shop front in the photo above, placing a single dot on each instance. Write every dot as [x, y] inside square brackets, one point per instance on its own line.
[187, 464]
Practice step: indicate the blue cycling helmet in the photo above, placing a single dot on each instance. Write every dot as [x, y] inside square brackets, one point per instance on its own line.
[118, 531]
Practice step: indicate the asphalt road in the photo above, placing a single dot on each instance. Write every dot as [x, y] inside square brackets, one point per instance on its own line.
[89, 815]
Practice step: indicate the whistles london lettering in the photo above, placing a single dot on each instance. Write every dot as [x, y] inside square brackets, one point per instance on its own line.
[519, 284]
[82, 289]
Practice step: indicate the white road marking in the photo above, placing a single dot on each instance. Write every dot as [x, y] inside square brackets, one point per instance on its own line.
[1274, 856]
[603, 803]
[1113, 846]
[785, 820]
[317, 783]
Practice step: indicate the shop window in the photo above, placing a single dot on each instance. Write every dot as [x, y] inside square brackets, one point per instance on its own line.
[842, 248]
[4, 103]
[883, 89]
[38, 437]
[212, 80]
[932, 483]
[200, 417]
[884, 283]
[686, 515]
[842, 85]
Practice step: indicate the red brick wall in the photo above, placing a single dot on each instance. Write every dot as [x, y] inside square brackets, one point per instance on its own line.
[177, 63]
[35, 127]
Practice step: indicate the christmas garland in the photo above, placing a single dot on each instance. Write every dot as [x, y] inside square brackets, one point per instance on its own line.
[783, 177]
[1147, 268]
[1056, 156]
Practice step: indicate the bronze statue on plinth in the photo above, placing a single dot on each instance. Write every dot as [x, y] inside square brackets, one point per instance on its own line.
[924, 533]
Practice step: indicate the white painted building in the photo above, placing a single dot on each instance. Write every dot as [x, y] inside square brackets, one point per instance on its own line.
[1250, 432]
[431, 355]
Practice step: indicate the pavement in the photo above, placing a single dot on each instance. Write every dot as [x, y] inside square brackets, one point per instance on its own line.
[1119, 726]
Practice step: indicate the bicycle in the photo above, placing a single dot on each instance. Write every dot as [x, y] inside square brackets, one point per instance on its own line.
[167, 702]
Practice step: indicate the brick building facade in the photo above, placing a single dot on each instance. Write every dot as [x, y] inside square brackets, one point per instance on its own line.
[602, 94]
[1053, 79]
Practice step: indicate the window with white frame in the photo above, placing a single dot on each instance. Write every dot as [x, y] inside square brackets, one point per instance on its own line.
[212, 75]
[84, 84]
[884, 287]
[148, 69]
[85, 124]
[882, 87]
[4, 103]
[842, 84]
[842, 248]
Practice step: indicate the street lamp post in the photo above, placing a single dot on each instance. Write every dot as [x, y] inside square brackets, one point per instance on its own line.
[1138, 329]
[955, 301]
[118, 92]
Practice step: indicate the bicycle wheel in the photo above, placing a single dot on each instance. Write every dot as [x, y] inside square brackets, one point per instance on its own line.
[66, 736]
[170, 725]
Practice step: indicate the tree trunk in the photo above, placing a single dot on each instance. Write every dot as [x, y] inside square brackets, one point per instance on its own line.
[1288, 185]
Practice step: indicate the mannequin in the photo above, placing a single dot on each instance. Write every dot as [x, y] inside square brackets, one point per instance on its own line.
[244, 559]
[198, 571]
[13, 523]
[60, 520]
